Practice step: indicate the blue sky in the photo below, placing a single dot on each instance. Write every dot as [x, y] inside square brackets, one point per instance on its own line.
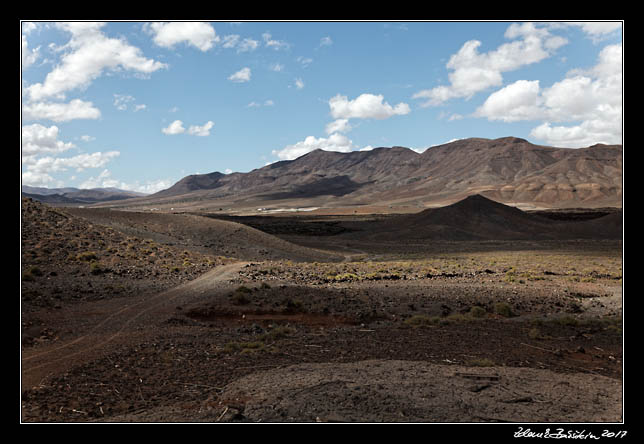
[140, 105]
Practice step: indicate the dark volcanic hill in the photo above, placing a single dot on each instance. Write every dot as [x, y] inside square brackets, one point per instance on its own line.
[509, 170]
[479, 218]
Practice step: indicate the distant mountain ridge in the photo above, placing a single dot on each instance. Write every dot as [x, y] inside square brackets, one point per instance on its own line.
[76, 195]
[509, 170]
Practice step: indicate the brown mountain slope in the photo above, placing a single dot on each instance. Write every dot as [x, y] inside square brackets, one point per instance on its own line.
[509, 170]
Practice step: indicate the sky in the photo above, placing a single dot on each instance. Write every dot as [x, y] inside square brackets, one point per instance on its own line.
[138, 106]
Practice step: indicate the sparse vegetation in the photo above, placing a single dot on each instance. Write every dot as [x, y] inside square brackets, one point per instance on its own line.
[480, 362]
[87, 256]
[503, 309]
[477, 312]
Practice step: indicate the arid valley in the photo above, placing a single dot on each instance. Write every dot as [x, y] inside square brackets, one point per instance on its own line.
[466, 312]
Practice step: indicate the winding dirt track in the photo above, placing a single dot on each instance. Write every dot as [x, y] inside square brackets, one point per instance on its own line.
[116, 327]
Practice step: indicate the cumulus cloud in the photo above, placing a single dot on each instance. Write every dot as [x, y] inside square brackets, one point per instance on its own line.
[105, 180]
[59, 111]
[198, 34]
[365, 106]
[175, 127]
[338, 126]
[29, 57]
[299, 83]
[38, 139]
[202, 131]
[241, 76]
[269, 42]
[591, 99]
[39, 170]
[247, 45]
[597, 30]
[335, 142]
[86, 56]
[472, 71]
[518, 101]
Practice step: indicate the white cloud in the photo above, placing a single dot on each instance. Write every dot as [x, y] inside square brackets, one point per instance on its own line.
[38, 139]
[243, 75]
[277, 67]
[230, 41]
[201, 131]
[335, 142]
[40, 170]
[326, 41]
[36, 179]
[121, 101]
[29, 57]
[591, 100]
[198, 34]
[597, 30]
[275, 44]
[27, 27]
[105, 180]
[87, 55]
[304, 61]
[60, 112]
[472, 72]
[338, 126]
[518, 101]
[254, 104]
[247, 45]
[365, 106]
[299, 83]
[175, 127]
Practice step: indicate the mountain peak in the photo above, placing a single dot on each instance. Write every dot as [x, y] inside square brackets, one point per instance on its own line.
[511, 139]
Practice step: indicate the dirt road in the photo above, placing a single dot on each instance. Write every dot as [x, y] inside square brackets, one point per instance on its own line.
[117, 323]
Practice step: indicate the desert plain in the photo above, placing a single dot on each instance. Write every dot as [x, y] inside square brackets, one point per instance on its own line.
[451, 315]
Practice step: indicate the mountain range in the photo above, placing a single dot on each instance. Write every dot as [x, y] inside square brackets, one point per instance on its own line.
[76, 196]
[509, 170]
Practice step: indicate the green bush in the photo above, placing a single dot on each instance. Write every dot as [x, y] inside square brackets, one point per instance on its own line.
[95, 268]
[87, 256]
[417, 321]
[477, 312]
[503, 309]
[240, 298]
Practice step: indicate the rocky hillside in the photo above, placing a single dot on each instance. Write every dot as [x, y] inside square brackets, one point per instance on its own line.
[65, 258]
